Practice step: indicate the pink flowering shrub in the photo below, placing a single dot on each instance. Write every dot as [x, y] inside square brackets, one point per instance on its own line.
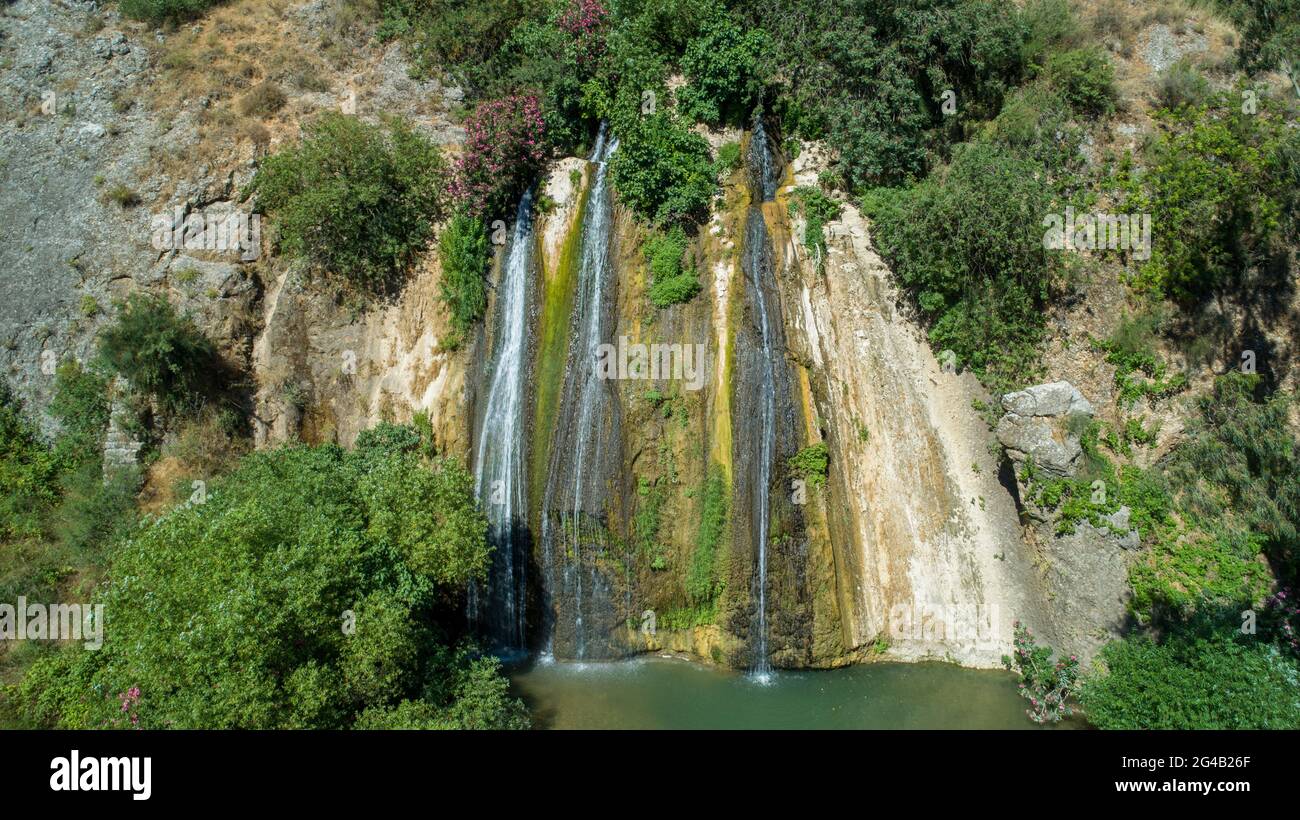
[1281, 609]
[585, 21]
[504, 148]
[129, 713]
[1046, 685]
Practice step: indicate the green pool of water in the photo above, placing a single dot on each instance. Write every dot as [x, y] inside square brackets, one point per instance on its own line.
[667, 693]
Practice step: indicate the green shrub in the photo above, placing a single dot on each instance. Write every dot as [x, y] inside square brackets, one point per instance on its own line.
[1085, 77]
[355, 199]
[817, 209]
[1050, 24]
[728, 158]
[1240, 466]
[28, 471]
[162, 354]
[160, 11]
[80, 403]
[463, 249]
[663, 171]
[1037, 123]
[1197, 677]
[671, 282]
[702, 579]
[983, 285]
[1048, 686]
[812, 463]
[1182, 85]
[305, 591]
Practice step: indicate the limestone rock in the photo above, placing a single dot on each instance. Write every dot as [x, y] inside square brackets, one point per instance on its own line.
[1037, 426]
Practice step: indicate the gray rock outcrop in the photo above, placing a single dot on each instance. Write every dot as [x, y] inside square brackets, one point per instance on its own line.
[1040, 424]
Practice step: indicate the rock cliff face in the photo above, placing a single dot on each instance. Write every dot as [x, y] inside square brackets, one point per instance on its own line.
[912, 548]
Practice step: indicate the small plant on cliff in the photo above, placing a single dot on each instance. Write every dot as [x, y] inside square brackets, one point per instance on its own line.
[162, 354]
[504, 148]
[672, 283]
[812, 463]
[463, 249]
[1047, 686]
[355, 199]
[817, 209]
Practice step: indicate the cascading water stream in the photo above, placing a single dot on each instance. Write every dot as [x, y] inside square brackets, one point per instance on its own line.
[575, 465]
[758, 269]
[499, 610]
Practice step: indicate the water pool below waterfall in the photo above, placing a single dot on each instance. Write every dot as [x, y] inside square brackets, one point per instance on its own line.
[667, 693]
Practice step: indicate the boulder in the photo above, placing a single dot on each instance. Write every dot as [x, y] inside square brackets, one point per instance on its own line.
[1037, 426]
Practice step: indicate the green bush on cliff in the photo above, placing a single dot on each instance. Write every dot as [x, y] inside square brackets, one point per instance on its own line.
[817, 209]
[702, 582]
[812, 463]
[463, 249]
[161, 353]
[671, 281]
[310, 590]
[355, 199]
[979, 274]
[663, 170]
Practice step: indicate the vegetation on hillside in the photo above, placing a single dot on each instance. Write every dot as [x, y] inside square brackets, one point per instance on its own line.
[363, 553]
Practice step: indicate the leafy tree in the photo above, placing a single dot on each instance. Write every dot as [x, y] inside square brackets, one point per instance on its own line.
[983, 286]
[870, 78]
[722, 70]
[162, 354]
[664, 171]
[1220, 187]
[297, 596]
[355, 199]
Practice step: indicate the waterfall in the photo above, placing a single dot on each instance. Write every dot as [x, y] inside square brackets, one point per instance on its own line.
[758, 271]
[500, 612]
[585, 441]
